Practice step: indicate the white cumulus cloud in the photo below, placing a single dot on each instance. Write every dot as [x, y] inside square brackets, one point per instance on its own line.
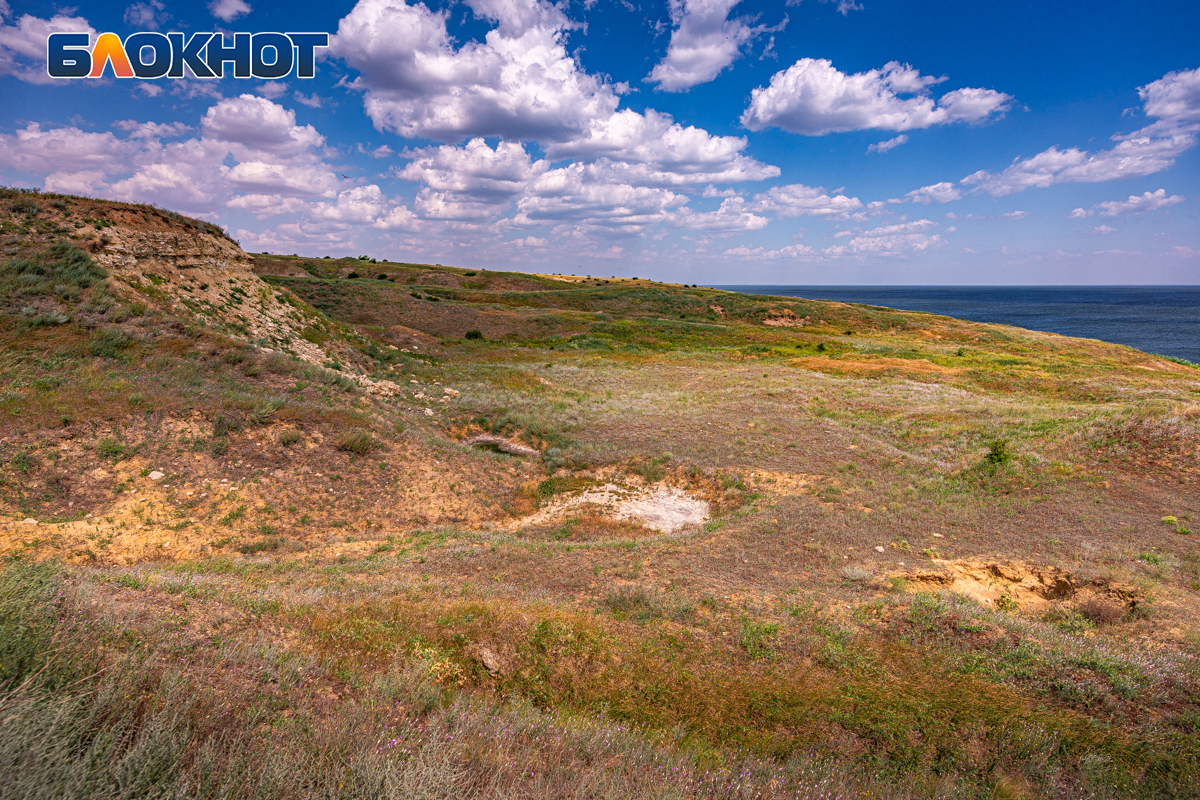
[814, 98]
[943, 192]
[228, 10]
[1137, 204]
[752, 253]
[520, 83]
[32, 149]
[797, 200]
[704, 42]
[888, 240]
[23, 44]
[1173, 99]
[146, 16]
[883, 147]
[259, 124]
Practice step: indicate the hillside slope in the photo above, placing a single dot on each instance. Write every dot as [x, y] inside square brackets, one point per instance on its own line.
[359, 528]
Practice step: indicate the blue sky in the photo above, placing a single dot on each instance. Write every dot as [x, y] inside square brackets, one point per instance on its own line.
[706, 141]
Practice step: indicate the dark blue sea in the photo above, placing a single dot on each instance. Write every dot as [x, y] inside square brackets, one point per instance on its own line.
[1156, 319]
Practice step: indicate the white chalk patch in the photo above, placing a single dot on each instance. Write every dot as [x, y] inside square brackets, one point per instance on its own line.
[662, 508]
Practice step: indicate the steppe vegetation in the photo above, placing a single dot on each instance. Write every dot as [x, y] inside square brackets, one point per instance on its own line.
[297, 527]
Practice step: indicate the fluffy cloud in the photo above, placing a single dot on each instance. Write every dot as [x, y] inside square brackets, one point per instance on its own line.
[731, 216]
[814, 98]
[1132, 158]
[23, 44]
[228, 10]
[883, 147]
[520, 83]
[943, 192]
[749, 253]
[887, 240]
[258, 124]
[474, 182]
[148, 16]
[268, 205]
[1136, 204]
[572, 193]
[64, 150]
[1174, 99]
[796, 200]
[670, 153]
[704, 42]
[477, 184]
[250, 155]
[367, 205]
[296, 180]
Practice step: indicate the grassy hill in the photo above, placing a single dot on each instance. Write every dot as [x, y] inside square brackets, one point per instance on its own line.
[277, 526]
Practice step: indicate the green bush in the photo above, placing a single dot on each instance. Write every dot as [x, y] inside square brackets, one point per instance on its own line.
[109, 343]
[108, 447]
[758, 638]
[262, 545]
[28, 593]
[474, 334]
[61, 271]
[289, 437]
[998, 453]
[263, 410]
[358, 442]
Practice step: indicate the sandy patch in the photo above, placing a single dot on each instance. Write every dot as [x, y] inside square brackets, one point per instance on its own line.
[666, 509]
[1028, 587]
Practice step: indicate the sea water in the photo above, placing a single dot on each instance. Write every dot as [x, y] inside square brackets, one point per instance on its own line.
[1156, 319]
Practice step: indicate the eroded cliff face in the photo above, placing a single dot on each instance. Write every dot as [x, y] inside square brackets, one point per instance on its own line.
[196, 272]
[203, 275]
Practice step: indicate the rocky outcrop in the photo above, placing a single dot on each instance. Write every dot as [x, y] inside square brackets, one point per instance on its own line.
[204, 275]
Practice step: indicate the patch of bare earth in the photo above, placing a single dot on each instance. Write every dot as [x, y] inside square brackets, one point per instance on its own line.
[666, 509]
[1015, 586]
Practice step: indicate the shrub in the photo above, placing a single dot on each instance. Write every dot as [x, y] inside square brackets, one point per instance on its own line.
[50, 318]
[1069, 621]
[289, 437]
[998, 453]
[263, 410]
[856, 574]
[358, 442]
[108, 447]
[109, 343]
[474, 334]
[250, 548]
[1100, 611]
[222, 425]
[758, 638]
[652, 471]
[61, 270]
[635, 601]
